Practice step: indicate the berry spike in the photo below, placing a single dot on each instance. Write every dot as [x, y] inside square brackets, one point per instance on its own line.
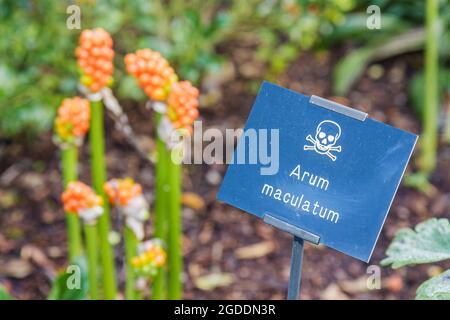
[121, 191]
[72, 120]
[79, 196]
[151, 256]
[95, 59]
[183, 105]
[153, 73]
[80, 199]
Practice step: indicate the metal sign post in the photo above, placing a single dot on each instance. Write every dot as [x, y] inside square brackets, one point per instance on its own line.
[300, 236]
[295, 277]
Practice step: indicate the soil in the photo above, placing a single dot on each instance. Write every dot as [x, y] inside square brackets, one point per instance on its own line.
[218, 262]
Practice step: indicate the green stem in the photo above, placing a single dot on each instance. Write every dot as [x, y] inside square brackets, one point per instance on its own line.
[174, 244]
[69, 159]
[92, 257]
[430, 129]
[139, 294]
[98, 169]
[161, 209]
[131, 243]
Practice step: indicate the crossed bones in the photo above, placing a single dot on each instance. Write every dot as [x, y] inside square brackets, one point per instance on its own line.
[316, 147]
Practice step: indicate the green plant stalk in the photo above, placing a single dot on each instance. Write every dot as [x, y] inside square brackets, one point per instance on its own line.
[430, 127]
[138, 295]
[91, 247]
[161, 209]
[175, 260]
[131, 243]
[69, 159]
[98, 171]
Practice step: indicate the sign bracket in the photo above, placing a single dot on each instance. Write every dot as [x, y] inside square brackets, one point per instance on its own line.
[298, 241]
[339, 108]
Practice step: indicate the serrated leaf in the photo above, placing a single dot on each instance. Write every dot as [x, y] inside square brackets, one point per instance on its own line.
[436, 288]
[429, 242]
[66, 287]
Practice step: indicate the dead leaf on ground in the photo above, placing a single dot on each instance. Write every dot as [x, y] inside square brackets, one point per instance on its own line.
[8, 199]
[55, 252]
[34, 254]
[195, 270]
[6, 245]
[206, 233]
[192, 200]
[354, 286]
[214, 280]
[393, 283]
[16, 268]
[254, 251]
[35, 182]
[333, 292]
[433, 271]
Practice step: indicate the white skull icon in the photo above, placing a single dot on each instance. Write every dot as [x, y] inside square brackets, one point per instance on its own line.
[327, 134]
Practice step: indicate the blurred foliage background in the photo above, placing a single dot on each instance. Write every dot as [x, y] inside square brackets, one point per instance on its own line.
[37, 68]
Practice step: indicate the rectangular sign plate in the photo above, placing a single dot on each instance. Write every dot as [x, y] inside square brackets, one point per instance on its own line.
[321, 167]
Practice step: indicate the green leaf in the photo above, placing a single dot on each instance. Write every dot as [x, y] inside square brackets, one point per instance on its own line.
[350, 68]
[430, 242]
[4, 294]
[354, 26]
[420, 181]
[214, 280]
[436, 288]
[417, 84]
[416, 93]
[128, 88]
[72, 283]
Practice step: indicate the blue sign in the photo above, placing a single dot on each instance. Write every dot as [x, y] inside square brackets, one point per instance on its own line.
[319, 166]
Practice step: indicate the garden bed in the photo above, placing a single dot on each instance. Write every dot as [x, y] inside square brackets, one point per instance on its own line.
[228, 254]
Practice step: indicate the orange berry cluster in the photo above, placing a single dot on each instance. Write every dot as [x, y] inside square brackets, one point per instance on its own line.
[72, 120]
[95, 55]
[152, 258]
[79, 196]
[152, 71]
[121, 191]
[183, 105]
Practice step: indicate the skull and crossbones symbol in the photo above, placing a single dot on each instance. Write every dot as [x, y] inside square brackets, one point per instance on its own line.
[327, 134]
